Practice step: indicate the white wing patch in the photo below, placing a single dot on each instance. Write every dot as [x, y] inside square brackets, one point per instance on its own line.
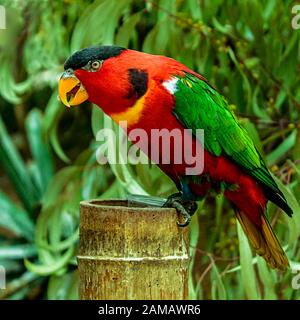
[171, 85]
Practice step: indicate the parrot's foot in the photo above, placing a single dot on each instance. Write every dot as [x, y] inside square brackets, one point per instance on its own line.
[185, 207]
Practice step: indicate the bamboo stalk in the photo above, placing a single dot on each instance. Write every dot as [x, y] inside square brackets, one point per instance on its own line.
[131, 252]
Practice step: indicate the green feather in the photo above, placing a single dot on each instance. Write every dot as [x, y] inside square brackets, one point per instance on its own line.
[198, 105]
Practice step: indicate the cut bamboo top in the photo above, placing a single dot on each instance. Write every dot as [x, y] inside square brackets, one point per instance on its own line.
[110, 228]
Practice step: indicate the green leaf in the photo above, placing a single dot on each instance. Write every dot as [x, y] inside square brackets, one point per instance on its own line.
[57, 147]
[15, 219]
[245, 79]
[282, 149]
[58, 264]
[64, 287]
[57, 184]
[194, 237]
[294, 222]
[97, 119]
[17, 251]
[17, 284]
[53, 113]
[251, 129]
[247, 269]
[102, 17]
[123, 170]
[218, 291]
[267, 278]
[16, 169]
[258, 110]
[39, 149]
[127, 30]
[7, 82]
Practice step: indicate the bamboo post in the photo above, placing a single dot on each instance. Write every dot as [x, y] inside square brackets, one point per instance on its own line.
[131, 252]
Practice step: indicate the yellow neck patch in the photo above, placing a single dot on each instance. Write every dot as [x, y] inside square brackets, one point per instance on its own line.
[132, 114]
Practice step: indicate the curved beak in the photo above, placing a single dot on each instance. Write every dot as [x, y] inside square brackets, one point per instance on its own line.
[71, 91]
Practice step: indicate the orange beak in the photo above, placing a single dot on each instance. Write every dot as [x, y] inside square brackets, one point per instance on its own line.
[71, 91]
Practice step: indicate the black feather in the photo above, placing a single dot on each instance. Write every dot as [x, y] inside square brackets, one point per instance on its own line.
[139, 81]
[278, 199]
[80, 58]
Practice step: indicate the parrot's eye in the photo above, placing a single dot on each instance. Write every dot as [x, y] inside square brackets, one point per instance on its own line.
[93, 65]
[96, 65]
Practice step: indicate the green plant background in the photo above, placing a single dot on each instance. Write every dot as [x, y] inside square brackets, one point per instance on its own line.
[247, 49]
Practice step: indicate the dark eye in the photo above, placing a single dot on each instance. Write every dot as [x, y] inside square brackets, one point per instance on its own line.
[95, 65]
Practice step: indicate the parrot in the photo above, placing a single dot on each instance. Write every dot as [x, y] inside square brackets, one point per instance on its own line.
[150, 91]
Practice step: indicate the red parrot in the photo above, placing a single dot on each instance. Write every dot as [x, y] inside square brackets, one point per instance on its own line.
[156, 92]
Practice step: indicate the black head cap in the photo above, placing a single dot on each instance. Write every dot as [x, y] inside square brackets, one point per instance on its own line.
[80, 58]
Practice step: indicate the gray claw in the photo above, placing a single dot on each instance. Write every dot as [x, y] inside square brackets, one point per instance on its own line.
[185, 208]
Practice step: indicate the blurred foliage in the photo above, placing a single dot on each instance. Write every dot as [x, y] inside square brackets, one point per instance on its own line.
[246, 48]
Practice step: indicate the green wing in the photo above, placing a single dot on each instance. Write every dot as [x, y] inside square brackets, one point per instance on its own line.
[198, 105]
